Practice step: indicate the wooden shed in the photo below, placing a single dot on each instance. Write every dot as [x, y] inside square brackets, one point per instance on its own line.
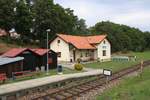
[34, 57]
[29, 57]
[9, 65]
[41, 58]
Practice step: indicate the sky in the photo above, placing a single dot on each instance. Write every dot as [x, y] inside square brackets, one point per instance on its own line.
[135, 13]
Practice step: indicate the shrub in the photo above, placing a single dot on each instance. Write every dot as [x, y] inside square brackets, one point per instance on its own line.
[78, 66]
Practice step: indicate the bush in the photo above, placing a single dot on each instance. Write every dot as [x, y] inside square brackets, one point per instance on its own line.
[78, 66]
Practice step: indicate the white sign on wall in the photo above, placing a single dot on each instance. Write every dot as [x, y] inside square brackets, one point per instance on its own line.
[107, 72]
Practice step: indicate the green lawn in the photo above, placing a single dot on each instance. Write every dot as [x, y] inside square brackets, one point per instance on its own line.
[133, 88]
[51, 72]
[117, 65]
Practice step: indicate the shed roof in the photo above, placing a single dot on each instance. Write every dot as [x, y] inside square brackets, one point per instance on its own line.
[40, 51]
[14, 52]
[6, 60]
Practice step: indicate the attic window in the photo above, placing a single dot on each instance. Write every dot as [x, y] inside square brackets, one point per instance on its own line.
[58, 41]
[104, 42]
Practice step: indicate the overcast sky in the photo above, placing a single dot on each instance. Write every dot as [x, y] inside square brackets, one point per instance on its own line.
[135, 13]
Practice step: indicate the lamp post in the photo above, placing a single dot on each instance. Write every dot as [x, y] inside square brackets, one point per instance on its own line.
[47, 67]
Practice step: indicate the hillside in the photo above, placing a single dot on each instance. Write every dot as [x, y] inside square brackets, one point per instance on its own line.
[5, 47]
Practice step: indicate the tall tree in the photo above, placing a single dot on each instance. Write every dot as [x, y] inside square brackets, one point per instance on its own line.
[122, 37]
[7, 14]
[81, 28]
[42, 15]
[53, 16]
[23, 19]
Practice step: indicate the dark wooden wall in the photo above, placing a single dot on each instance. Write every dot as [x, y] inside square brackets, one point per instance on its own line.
[12, 67]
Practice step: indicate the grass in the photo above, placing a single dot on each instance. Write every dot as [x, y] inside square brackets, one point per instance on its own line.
[42, 74]
[117, 65]
[6, 46]
[130, 88]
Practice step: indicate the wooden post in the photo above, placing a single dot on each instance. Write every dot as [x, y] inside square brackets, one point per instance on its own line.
[107, 80]
[141, 68]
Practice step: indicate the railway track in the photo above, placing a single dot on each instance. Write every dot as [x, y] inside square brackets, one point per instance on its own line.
[74, 91]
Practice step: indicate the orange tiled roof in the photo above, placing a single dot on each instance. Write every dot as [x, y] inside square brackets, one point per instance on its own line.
[82, 42]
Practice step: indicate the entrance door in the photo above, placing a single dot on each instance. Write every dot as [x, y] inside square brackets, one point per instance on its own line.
[74, 55]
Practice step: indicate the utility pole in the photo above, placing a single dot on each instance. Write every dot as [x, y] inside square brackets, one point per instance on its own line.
[47, 67]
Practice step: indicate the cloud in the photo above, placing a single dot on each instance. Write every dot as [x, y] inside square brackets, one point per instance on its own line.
[135, 13]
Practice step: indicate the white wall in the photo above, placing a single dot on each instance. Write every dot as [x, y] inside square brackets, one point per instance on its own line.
[102, 47]
[62, 47]
[84, 56]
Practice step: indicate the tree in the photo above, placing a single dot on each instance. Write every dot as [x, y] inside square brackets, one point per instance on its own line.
[122, 37]
[53, 16]
[147, 39]
[7, 14]
[81, 28]
[23, 20]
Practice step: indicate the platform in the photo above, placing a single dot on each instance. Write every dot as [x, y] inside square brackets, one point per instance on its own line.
[18, 86]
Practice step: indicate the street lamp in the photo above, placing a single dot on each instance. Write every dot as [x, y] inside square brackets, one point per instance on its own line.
[47, 67]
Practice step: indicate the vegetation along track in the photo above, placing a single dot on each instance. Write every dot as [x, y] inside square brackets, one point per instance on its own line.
[72, 92]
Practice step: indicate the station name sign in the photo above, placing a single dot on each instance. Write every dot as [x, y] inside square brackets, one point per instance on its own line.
[107, 72]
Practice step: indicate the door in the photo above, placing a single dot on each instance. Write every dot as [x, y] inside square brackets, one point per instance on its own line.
[74, 55]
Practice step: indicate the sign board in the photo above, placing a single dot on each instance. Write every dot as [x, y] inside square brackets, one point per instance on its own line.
[107, 72]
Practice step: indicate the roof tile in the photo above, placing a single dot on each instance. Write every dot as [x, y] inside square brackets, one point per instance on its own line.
[82, 42]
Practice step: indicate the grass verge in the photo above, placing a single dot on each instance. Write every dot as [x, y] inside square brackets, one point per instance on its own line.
[117, 65]
[130, 88]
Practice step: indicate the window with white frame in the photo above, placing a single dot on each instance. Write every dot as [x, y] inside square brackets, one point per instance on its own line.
[58, 41]
[104, 52]
[104, 47]
[104, 42]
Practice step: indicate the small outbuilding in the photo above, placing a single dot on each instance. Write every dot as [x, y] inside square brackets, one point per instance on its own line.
[29, 57]
[41, 58]
[9, 65]
[34, 57]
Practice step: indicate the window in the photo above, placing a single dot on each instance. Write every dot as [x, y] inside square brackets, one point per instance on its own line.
[58, 41]
[81, 55]
[104, 52]
[104, 42]
[58, 54]
[104, 47]
[50, 60]
[86, 54]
